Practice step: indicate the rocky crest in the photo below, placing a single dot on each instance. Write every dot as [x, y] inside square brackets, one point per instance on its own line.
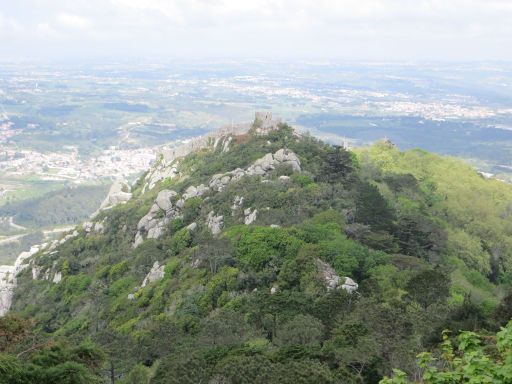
[167, 206]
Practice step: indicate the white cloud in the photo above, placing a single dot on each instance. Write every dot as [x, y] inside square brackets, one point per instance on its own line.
[380, 29]
[70, 20]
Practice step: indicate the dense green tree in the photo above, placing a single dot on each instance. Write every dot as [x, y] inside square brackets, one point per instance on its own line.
[337, 164]
[372, 208]
[428, 287]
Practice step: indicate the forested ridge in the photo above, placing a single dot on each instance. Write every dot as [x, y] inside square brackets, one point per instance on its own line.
[245, 279]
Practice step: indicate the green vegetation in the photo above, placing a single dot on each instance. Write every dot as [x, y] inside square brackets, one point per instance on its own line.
[25, 359]
[471, 361]
[425, 237]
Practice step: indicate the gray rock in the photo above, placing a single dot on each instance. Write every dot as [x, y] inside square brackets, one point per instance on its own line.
[250, 216]
[192, 226]
[349, 285]
[146, 221]
[237, 174]
[180, 203]
[215, 182]
[117, 195]
[156, 273]
[164, 199]
[195, 191]
[333, 281]
[155, 232]
[87, 226]
[266, 162]
[154, 209]
[225, 147]
[285, 156]
[99, 227]
[215, 223]
[190, 192]
[237, 203]
[161, 172]
[138, 240]
[35, 272]
[57, 277]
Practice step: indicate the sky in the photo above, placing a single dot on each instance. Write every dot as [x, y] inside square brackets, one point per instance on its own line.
[382, 30]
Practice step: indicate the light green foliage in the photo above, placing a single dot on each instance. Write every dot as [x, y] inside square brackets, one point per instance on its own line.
[224, 281]
[302, 179]
[118, 270]
[171, 267]
[474, 209]
[468, 361]
[139, 374]
[179, 241]
[259, 247]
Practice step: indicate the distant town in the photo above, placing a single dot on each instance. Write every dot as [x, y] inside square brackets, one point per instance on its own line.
[111, 163]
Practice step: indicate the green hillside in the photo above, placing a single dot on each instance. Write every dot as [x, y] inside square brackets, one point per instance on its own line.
[280, 260]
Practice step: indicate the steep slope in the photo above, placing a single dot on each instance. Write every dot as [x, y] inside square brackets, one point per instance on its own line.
[273, 257]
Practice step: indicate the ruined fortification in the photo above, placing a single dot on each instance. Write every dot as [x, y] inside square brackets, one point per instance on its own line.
[263, 123]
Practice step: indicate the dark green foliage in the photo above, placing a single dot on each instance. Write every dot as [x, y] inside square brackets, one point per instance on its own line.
[191, 209]
[429, 287]
[336, 166]
[372, 209]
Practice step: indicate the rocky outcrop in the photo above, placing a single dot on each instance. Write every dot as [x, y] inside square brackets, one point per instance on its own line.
[195, 191]
[260, 167]
[270, 161]
[57, 277]
[166, 208]
[237, 204]
[8, 275]
[349, 285]
[118, 194]
[165, 199]
[192, 226]
[163, 170]
[250, 216]
[215, 223]
[332, 280]
[156, 273]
